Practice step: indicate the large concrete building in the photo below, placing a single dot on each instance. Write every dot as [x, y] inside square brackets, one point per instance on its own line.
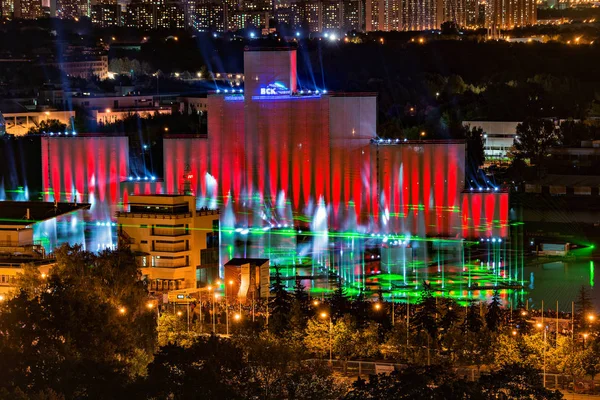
[177, 245]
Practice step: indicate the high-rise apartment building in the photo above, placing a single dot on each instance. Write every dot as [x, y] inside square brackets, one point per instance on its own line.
[106, 15]
[208, 16]
[28, 9]
[170, 15]
[140, 15]
[353, 15]
[332, 15]
[418, 15]
[506, 14]
[472, 17]
[72, 9]
[455, 11]
[7, 8]
[407, 15]
[284, 15]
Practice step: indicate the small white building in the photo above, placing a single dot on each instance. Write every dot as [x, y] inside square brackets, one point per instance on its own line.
[498, 138]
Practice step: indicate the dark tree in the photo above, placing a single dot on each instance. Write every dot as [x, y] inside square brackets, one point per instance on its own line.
[534, 139]
[280, 304]
[435, 382]
[517, 381]
[449, 28]
[87, 331]
[473, 322]
[573, 132]
[425, 318]
[493, 316]
[449, 315]
[299, 311]
[474, 138]
[300, 294]
[339, 302]
[48, 126]
[211, 368]
[583, 306]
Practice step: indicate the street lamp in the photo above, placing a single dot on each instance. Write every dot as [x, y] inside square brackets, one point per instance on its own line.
[315, 303]
[540, 326]
[325, 315]
[377, 306]
[122, 310]
[227, 307]
[237, 317]
[214, 315]
[1, 297]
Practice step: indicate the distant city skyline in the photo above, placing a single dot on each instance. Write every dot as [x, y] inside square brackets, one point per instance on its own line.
[305, 16]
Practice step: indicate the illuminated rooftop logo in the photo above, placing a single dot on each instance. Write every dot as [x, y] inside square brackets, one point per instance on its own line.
[275, 89]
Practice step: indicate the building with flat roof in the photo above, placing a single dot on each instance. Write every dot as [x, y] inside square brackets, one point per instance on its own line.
[109, 108]
[498, 138]
[177, 245]
[28, 234]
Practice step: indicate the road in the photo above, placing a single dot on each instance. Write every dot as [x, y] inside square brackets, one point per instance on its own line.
[575, 396]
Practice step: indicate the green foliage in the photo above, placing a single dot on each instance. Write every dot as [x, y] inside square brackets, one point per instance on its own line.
[69, 335]
[172, 329]
[433, 382]
[317, 337]
[590, 360]
[474, 348]
[211, 368]
[506, 350]
[517, 381]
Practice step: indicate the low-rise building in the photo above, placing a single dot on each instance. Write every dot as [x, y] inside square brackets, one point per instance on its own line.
[85, 67]
[498, 138]
[177, 245]
[22, 226]
[19, 123]
[106, 109]
[190, 104]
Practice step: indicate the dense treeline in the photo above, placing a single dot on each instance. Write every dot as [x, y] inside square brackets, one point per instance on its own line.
[89, 330]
